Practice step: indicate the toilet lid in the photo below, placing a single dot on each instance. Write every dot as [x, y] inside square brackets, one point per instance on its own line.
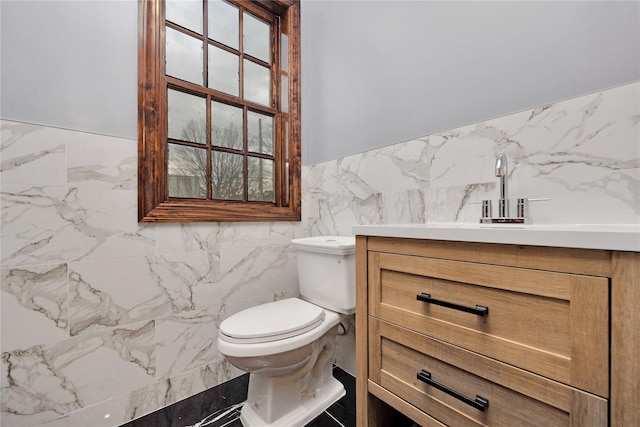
[272, 321]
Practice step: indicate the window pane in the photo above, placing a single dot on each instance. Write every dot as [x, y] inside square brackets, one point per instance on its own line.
[260, 133]
[187, 117]
[284, 94]
[257, 83]
[184, 57]
[261, 178]
[226, 176]
[224, 71]
[187, 172]
[224, 26]
[284, 52]
[186, 13]
[257, 39]
[226, 125]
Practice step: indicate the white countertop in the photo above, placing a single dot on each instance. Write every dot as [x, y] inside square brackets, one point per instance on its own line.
[620, 237]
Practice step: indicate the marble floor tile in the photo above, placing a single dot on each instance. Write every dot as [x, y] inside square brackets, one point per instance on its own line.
[221, 405]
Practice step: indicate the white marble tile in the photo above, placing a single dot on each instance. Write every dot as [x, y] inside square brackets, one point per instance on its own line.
[458, 203]
[117, 292]
[58, 422]
[43, 383]
[32, 154]
[397, 167]
[582, 135]
[33, 393]
[188, 237]
[254, 276]
[37, 299]
[109, 293]
[600, 129]
[36, 228]
[247, 235]
[281, 233]
[42, 225]
[404, 207]
[186, 341]
[100, 161]
[605, 197]
[187, 279]
[96, 364]
[462, 156]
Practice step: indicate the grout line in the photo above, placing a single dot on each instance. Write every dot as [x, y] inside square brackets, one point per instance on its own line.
[334, 419]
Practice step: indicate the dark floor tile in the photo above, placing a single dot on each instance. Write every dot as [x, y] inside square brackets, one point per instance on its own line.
[218, 403]
[323, 420]
[194, 409]
[344, 410]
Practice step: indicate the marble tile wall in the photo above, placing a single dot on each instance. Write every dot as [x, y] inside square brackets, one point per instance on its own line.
[583, 154]
[104, 319]
[104, 316]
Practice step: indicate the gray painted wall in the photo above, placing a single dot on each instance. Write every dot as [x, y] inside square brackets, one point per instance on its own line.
[70, 64]
[374, 72]
[381, 72]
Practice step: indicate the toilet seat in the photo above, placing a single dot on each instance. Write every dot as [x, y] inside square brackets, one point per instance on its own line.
[272, 322]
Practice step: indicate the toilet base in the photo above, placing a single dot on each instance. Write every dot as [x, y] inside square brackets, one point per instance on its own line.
[326, 396]
[295, 398]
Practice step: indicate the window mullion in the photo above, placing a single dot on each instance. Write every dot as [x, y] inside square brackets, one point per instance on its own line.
[245, 156]
[205, 76]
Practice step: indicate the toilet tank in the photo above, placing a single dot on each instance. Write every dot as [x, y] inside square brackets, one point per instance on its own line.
[327, 271]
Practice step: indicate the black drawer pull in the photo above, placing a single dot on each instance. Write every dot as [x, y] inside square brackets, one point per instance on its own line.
[479, 310]
[479, 403]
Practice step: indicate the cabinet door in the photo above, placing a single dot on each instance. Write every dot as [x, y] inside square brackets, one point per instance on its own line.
[553, 324]
[461, 388]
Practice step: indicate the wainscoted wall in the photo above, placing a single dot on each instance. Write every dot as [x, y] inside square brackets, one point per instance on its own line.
[102, 315]
[582, 153]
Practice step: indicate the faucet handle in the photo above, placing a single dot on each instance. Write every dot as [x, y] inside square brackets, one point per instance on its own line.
[523, 205]
[486, 209]
[522, 208]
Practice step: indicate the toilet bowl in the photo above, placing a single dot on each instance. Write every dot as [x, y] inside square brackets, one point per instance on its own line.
[288, 346]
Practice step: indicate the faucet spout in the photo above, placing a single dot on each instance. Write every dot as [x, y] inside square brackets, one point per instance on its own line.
[502, 173]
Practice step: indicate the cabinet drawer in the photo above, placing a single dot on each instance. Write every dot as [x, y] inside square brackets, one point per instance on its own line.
[553, 324]
[514, 397]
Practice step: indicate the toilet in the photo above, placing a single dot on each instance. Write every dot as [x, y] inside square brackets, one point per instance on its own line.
[288, 346]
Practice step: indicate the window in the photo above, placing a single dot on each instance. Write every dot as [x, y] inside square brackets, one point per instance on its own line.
[219, 110]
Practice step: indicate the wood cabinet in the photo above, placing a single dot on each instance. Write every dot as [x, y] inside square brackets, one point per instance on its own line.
[455, 333]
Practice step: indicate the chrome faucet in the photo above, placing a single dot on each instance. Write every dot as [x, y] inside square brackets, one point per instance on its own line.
[502, 173]
[522, 216]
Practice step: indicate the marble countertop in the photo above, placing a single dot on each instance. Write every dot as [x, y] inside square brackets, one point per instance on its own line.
[620, 237]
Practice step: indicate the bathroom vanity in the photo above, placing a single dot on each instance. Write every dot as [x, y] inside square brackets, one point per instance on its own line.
[463, 324]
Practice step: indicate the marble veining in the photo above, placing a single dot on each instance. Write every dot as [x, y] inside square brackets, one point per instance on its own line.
[35, 297]
[98, 161]
[32, 154]
[46, 381]
[56, 224]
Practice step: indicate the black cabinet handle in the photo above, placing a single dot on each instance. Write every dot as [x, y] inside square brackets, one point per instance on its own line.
[480, 403]
[479, 310]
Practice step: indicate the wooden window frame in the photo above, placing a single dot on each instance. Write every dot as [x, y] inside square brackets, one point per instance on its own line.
[154, 204]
